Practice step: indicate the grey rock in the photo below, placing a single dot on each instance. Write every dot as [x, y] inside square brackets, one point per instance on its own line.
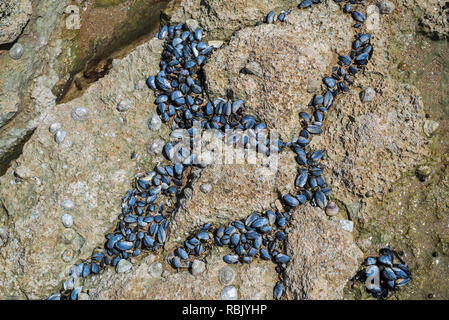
[123, 266]
[154, 122]
[80, 114]
[60, 136]
[16, 51]
[386, 7]
[198, 267]
[155, 269]
[423, 171]
[229, 293]
[367, 95]
[67, 220]
[226, 275]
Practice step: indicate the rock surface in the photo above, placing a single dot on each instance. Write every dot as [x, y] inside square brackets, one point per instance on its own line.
[435, 18]
[92, 165]
[324, 256]
[306, 41]
[14, 15]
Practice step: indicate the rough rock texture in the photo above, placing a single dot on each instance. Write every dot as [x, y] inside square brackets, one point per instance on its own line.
[14, 15]
[91, 167]
[324, 256]
[254, 281]
[291, 55]
[221, 18]
[435, 18]
[237, 190]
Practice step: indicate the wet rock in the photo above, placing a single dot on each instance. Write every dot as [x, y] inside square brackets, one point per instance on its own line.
[386, 7]
[14, 16]
[16, 51]
[229, 293]
[368, 95]
[318, 248]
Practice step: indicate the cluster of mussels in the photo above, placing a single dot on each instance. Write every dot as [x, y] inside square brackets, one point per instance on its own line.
[381, 275]
[182, 101]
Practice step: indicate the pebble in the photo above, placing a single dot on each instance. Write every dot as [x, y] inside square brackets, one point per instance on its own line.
[206, 187]
[229, 293]
[68, 205]
[54, 127]
[386, 7]
[23, 172]
[331, 209]
[68, 235]
[155, 147]
[367, 95]
[123, 266]
[67, 220]
[198, 267]
[60, 135]
[430, 127]
[124, 105]
[80, 114]
[226, 275]
[154, 123]
[347, 225]
[16, 51]
[68, 255]
[155, 269]
[314, 86]
[254, 68]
